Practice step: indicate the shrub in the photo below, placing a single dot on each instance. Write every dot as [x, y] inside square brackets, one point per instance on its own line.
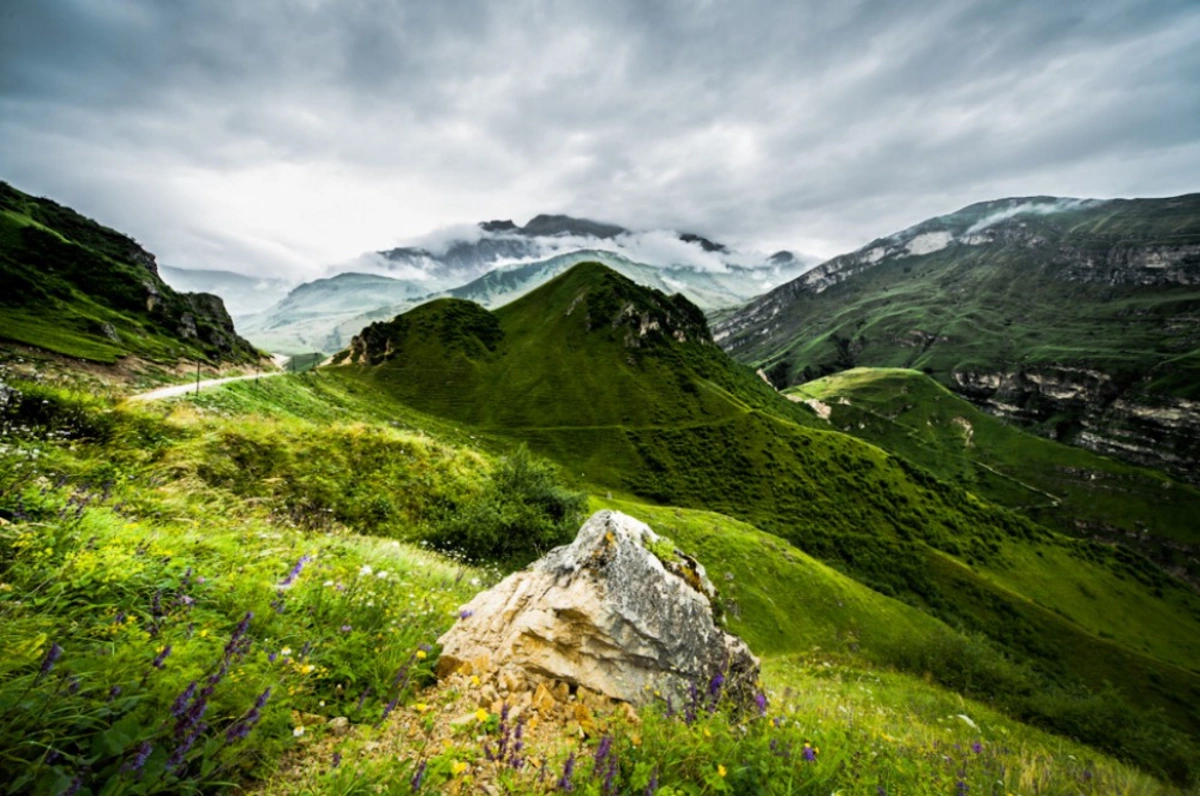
[522, 511]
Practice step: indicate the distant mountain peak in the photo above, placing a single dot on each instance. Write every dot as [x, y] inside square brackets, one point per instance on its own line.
[553, 225]
[705, 243]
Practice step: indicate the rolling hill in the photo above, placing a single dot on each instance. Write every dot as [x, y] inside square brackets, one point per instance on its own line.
[1079, 319]
[1066, 488]
[624, 386]
[77, 288]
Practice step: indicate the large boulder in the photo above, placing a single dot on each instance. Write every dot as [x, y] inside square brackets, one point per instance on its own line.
[619, 611]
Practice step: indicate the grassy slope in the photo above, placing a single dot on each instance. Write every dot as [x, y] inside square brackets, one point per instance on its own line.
[67, 277]
[1070, 489]
[678, 424]
[785, 602]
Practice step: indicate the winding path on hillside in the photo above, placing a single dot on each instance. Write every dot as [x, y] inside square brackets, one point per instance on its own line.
[183, 389]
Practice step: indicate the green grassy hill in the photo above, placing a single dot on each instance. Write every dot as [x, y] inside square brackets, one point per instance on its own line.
[1068, 489]
[236, 539]
[623, 387]
[77, 288]
[1077, 319]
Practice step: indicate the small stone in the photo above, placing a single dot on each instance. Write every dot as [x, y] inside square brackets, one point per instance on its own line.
[543, 700]
[561, 691]
[339, 725]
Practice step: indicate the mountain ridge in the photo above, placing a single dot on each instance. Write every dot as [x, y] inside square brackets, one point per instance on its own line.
[1073, 317]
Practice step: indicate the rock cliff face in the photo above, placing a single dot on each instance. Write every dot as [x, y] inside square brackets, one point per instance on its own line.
[1088, 408]
[607, 614]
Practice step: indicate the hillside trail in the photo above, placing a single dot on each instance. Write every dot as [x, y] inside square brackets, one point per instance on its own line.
[177, 390]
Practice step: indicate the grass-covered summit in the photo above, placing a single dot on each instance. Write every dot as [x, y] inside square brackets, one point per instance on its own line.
[75, 287]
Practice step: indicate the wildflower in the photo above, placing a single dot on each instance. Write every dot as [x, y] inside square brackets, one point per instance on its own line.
[564, 782]
[346, 628]
[809, 754]
[365, 569]
[601, 753]
[73, 686]
[286, 651]
[113, 693]
[421, 655]
[52, 655]
[295, 571]
[475, 680]
[418, 776]
[162, 656]
[481, 715]
[714, 686]
[977, 747]
[652, 787]
[760, 699]
[721, 771]
[181, 701]
[337, 759]
[139, 758]
[298, 730]
[382, 575]
[458, 767]
[465, 614]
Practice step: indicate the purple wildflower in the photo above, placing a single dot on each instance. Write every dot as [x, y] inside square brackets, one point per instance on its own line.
[809, 754]
[138, 760]
[977, 747]
[346, 628]
[610, 778]
[185, 746]
[114, 692]
[261, 702]
[52, 655]
[961, 788]
[387, 711]
[74, 787]
[162, 656]
[714, 686]
[337, 759]
[760, 699]
[652, 787]
[465, 614]
[295, 573]
[418, 776]
[564, 782]
[73, 686]
[601, 754]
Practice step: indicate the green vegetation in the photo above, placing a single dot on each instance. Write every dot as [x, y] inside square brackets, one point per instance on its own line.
[1068, 489]
[620, 385]
[77, 288]
[269, 494]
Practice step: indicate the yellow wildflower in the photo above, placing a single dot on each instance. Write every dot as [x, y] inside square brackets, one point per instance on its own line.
[720, 770]
[475, 680]
[458, 767]
[420, 655]
[481, 715]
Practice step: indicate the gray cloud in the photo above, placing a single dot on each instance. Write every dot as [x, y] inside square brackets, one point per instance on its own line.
[280, 135]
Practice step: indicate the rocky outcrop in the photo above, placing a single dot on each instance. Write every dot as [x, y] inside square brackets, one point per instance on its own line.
[1090, 409]
[619, 612]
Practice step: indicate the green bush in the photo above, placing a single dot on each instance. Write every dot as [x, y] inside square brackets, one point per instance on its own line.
[522, 511]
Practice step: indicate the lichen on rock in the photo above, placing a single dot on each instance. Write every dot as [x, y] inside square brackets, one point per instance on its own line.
[606, 614]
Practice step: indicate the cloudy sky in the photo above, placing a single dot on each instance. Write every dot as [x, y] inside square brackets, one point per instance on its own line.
[277, 136]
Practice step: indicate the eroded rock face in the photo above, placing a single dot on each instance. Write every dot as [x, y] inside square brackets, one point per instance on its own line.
[606, 614]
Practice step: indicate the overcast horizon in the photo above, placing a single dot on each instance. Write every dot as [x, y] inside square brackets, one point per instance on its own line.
[278, 137]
